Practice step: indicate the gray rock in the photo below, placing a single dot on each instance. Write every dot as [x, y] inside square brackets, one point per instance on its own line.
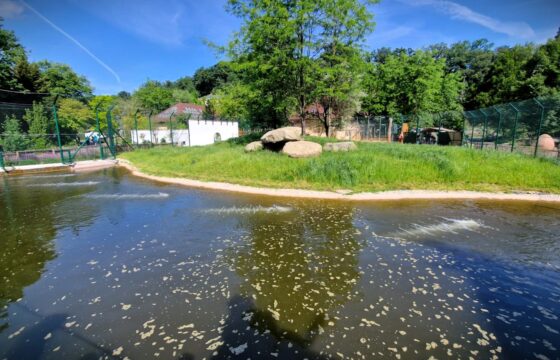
[340, 146]
[254, 146]
[302, 149]
[285, 134]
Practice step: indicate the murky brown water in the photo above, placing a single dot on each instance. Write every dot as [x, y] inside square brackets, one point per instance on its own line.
[107, 265]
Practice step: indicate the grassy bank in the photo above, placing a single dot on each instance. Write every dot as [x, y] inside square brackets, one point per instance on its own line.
[373, 167]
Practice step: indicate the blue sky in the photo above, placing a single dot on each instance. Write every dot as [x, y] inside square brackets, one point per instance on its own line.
[119, 44]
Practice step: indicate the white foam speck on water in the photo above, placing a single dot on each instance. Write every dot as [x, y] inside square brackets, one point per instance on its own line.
[160, 195]
[70, 184]
[448, 226]
[249, 210]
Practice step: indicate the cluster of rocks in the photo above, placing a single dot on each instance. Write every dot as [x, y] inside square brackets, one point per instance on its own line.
[289, 141]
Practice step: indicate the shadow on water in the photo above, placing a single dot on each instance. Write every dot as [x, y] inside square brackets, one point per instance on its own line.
[296, 269]
[32, 342]
[260, 337]
[27, 246]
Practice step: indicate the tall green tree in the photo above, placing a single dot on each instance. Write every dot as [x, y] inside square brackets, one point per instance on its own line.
[153, 96]
[13, 139]
[61, 79]
[38, 122]
[344, 25]
[205, 80]
[74, 116]
[543, 69]
[27, 75]
[412, 85]
[506, 80]
[473, 60]
[11, 52]
[281, 43]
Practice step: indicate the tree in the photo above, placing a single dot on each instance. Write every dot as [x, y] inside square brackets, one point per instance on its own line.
[73, 116]
[382, 82]
[27, 75]
[543, 70]
[232, 101]
[281, 42]
[38, 122]
[13, 138]
[153, 96]
[474, 61]
[61, 79]
[506, 80]
[184, 96]
[185, 83]
[344, 25]
[205, 80]
[10, 52]
[411, 85]
[125, 95]
[102, 103]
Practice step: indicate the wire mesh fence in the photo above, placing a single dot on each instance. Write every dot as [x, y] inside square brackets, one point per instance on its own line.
[530, 126]
[371, 128]
[44, 128]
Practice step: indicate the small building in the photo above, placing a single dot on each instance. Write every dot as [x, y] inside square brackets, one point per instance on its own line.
[192, 111]
[199, 132]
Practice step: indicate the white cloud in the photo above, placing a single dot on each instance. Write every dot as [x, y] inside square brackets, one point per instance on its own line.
[457, 11]
[10, 9]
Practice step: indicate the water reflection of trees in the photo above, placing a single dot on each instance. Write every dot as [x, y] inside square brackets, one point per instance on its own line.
[297, 268]
[29, 221]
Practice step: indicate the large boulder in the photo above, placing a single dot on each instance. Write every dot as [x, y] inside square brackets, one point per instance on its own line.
[254, 146]
[282, 135]
[302, 149]
[546, 142]
[340, 146]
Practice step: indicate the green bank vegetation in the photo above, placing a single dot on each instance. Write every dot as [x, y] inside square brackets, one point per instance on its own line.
[373, 167]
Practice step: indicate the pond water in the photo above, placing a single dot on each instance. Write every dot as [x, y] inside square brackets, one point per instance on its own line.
[104, 264]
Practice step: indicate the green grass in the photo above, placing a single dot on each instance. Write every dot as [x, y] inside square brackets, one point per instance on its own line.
[373, 167]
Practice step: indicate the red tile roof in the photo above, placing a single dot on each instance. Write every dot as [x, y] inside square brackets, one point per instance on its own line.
[181, 108]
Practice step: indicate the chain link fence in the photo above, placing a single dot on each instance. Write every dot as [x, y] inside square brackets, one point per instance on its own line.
[530, 126]
[45, 128]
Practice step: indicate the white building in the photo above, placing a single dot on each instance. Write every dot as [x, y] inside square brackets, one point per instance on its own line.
[200, 132]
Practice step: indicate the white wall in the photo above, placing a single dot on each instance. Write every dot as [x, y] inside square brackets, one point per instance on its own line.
[180, 137]
[203, 132]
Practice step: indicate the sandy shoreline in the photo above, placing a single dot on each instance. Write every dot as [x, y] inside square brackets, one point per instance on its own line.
[332, 195]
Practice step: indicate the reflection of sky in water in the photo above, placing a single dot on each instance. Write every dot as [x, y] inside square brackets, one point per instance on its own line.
[123, 267]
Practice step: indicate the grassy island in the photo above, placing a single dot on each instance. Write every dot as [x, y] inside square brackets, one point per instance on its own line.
[373, 167]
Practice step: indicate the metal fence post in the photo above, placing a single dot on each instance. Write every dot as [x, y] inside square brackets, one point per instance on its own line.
[101, 154]
[150, 125]
[472, 126]
[499, 127]
[517, 111]
[171, 127]
[463, 132]
[484, 128]
[136, 125]
[417, 126]
[2, 166]
[57, 128]
[540, 125]
[112, 147]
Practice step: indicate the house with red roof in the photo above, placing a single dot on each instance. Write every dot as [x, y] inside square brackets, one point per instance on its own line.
[195, 111]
